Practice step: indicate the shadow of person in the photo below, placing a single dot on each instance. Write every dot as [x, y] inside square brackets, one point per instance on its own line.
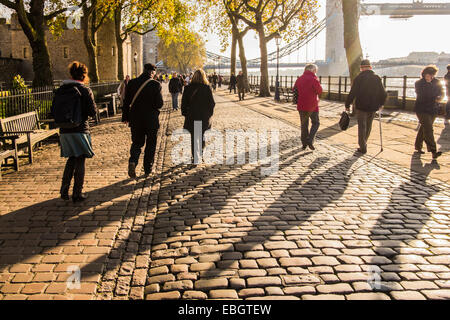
[400, 235]
[444, 138]
[253, 215]
[28, 234]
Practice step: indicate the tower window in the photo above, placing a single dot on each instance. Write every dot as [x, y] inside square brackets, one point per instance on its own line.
[25, 53]
[113, 51]
[66, 52]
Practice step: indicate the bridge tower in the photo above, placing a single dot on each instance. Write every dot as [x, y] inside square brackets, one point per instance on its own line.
[335, 57]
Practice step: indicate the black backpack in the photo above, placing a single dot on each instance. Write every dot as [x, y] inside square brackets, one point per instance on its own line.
[66, 107]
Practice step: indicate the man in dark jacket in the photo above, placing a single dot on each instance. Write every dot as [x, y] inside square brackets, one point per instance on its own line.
[233, 83]
[447, 85]
[370, 95]
[240, 85]
[429, 92]
[214, 79]
[175, 88]
[143, 117]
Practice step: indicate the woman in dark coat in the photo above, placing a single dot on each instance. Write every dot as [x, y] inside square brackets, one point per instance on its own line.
[429, 92]
[197, 105]
[76, 142]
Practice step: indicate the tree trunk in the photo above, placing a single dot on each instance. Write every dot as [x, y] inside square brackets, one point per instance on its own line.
[234, 39]
[41, 61]
[352, 42]
[264, 90]
[243, 60]
[89, 36]
[34, 30]
[119, 43]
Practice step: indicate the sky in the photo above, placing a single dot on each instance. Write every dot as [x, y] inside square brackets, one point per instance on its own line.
[381, 37]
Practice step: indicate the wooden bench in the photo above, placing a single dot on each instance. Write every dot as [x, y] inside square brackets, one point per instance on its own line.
[27, 128]
[9, 153]
[102, 107]
[286, 93]
[254, 88]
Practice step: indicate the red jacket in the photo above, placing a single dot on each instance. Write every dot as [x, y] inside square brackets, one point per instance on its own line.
[309, 90]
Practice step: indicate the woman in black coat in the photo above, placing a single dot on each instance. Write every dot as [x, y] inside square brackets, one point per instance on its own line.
[429, 92]
[197, 105]
[75, 142]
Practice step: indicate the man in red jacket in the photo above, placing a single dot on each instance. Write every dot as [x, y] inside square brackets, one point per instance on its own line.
[309, 90]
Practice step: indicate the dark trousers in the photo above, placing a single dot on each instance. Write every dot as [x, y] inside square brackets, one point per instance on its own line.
[175, 100]
[75, 168]
[233, 87]
[241, 93]
[365, 120]
[308, 135]
[426, 132]
[141, 136]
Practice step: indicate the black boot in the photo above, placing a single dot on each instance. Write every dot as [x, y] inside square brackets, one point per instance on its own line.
[67, 178]
[79, 198]
[79, 180]
[65, 192]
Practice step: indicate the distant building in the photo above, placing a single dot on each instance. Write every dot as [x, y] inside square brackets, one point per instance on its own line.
[150, 44]
[68, 47]
[423, 57]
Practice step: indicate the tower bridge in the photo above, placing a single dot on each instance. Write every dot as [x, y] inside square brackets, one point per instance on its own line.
[335, 56]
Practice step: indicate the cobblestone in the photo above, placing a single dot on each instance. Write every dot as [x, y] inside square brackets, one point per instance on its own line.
[224, 231]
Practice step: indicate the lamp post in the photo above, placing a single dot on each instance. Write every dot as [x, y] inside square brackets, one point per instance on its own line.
[135, 63]
[277, 84]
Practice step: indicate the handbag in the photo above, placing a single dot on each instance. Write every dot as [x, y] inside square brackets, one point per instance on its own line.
[344, 122]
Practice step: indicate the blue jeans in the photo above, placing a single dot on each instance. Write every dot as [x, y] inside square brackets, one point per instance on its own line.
[175, 100]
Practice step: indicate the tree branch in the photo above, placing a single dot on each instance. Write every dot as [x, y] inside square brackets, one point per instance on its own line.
[56, 13]
[8, 4]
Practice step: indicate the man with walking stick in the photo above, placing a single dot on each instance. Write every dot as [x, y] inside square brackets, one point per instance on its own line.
[370, 95]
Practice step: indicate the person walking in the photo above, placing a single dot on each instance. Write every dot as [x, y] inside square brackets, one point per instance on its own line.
[197, 104]
[214, 79]
[175, 88]
[233, 82]
[429, 92]
[447, 85]
[75, 140]
[143, 100]
[309, 91]
[122, 88]
[220, 81]
[370, 95]
[240, 85]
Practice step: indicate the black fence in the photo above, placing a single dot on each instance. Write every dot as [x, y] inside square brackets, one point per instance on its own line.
[14, 102]
[401, 88]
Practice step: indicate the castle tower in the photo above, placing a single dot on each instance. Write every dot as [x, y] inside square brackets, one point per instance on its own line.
[335, 56]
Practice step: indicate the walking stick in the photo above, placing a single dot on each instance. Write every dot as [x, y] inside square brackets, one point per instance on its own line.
[381, 132]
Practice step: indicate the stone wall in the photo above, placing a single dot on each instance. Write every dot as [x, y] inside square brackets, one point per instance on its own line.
[9, 68]
[69, 47]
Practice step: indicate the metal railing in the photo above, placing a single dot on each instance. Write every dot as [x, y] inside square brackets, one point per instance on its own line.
[400, 87]
[14, 102]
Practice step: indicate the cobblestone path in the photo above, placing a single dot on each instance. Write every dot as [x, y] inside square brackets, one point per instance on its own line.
[328, 225]
[321, 228]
